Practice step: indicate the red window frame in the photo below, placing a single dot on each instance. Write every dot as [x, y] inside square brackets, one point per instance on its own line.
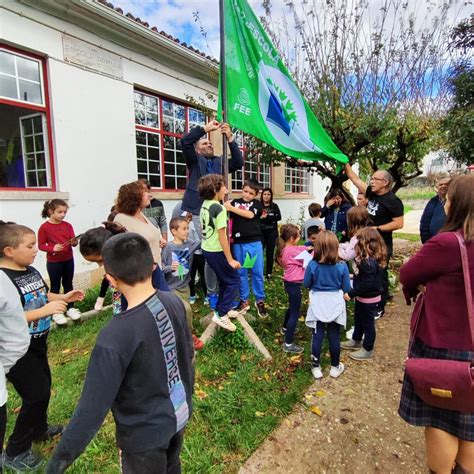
[38, 108]
[163, 133]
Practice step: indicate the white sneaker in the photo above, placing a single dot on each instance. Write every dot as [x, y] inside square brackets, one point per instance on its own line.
[74, 314]
[233, 314]
[59, 319]
[350, 333]
[224, 322]
[336, 371]
[99, 304]
[317, 372]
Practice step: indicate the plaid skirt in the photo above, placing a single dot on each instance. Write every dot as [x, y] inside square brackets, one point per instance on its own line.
[416, 412]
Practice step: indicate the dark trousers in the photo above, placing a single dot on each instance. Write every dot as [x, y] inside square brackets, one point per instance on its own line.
[155, 461]
[31, 378]
[104, 286]
[385, 282]
[61, 273]
[269, 243]
[333, 331]
[229, 280]
[3, 428]
[293, 290]
[364, 323]
[198, 267]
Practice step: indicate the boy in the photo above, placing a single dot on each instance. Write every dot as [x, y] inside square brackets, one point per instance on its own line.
[216, 249]
[177, 259]
[312, 232]
[247, 245]
[31, 375]
[314, 210]
[141, 368]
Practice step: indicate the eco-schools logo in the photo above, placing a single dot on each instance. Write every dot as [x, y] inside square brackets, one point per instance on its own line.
[283, 109]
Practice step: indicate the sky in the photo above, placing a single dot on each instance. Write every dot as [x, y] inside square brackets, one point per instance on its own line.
[178, 17]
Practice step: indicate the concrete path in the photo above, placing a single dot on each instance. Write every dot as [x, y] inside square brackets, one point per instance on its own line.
[412, 222]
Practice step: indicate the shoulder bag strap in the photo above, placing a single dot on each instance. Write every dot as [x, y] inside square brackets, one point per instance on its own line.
[467, 284]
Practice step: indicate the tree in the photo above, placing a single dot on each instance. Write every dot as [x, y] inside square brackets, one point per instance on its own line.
[459, 122]
[379, 86]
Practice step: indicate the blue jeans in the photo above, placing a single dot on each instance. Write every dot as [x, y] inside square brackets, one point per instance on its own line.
[253, 249]
[333, 331]
[228, 278]
[364, 323]
[292, 314]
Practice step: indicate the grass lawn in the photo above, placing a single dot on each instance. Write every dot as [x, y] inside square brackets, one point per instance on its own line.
[416, 193]
[239, 397]
[410, 237]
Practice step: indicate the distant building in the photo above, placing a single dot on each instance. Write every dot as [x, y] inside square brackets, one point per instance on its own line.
[90, 99]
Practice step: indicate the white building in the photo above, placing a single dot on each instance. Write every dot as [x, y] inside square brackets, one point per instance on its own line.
[91, 99]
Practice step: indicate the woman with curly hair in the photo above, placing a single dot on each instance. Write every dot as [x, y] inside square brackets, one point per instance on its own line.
[132, 198]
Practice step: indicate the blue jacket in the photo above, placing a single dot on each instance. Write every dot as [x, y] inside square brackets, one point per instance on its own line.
[341, 225]
[197, 167]
[432, 219]
[326, 277]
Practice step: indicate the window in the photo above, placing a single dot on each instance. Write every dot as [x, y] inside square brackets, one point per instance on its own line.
[296, 180]
[25, 157]
[253, 169]
[159, 125]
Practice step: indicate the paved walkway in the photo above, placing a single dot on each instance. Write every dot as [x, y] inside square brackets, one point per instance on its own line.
[412, 222]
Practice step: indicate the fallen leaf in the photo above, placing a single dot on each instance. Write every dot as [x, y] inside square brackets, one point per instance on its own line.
[66, 351]
[259, 414]
[16, 410]
[320, 393]
[201, 394]
[85, 353]
[316, 410]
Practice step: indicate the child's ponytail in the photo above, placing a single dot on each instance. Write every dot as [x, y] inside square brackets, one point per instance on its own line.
[287, 232]
[93, 240]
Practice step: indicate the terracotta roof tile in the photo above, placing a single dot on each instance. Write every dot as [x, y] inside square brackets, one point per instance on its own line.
[155, 30]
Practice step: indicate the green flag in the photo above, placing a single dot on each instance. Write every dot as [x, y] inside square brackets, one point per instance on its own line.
[262, 99]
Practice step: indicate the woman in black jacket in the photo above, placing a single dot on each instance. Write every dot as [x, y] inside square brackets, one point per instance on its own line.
[270, 216]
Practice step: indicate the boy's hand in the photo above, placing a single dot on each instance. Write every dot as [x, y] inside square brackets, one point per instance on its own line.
[234, 264]
[55, 307]
[174, 265]
[58, 248]
[228, 206]
[74, 295]
[163, 242]
[74, 242]
[347, 297]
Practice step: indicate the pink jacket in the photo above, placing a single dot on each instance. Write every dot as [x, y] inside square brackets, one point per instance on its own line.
[293, 271]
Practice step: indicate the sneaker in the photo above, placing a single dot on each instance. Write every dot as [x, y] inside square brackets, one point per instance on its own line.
[51, 432]
[224, 322]
[213, 301]
[351, 345]
[198, 344]
[243, 306]
[380, 314]
[261, 310]
[362, 354]
[336, 371]
[193, 299]
[23, 462]
[74, 314]
[283, 330]
[59, 319]
[317, 372]
[269, 276]
[349, 333]
[99, 304]
[206, 301]
[233, 314]
[292, 348]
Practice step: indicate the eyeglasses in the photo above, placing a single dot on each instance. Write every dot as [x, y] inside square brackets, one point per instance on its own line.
[373, 178]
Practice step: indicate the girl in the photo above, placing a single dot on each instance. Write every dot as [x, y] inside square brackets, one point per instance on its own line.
[293, 272]
[329, 285]
[56, 237]
[357, 218]
[269, 221]
[90, 247]
[334, 213]
[371, 259]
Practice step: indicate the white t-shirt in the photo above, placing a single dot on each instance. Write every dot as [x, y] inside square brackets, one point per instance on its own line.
[14, 334]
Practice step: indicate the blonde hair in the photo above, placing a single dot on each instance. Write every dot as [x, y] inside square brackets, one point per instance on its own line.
[357, 218]
[326, 248]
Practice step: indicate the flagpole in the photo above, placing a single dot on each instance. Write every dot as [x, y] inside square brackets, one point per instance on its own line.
[223, 91]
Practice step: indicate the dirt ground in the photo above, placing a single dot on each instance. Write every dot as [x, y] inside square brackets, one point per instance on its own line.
[358, 429]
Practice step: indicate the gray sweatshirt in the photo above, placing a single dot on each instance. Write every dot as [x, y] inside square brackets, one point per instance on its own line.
[183, 254]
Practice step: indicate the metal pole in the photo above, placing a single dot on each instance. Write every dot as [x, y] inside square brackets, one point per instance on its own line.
[223, 91]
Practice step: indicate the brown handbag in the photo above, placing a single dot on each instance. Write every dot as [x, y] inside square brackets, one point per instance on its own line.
[447, 384]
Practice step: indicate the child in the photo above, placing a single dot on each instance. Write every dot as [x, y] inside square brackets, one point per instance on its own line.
[293, 273]
[312, 232]
[314, 210]
[14, 335]
[31, 375]
[141, 368]
[198, 264]
[56, 237]
[177, 258]
[329, 284]
[247, 245]
[371, 259]
[357, 218]
[216, 249]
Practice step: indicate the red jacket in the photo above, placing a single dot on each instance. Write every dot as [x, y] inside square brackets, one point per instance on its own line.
[444, 320]
[51, 234]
